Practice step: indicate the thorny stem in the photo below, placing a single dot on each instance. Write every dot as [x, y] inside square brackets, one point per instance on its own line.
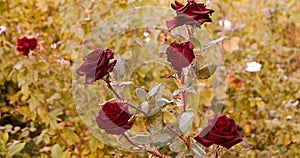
[157, 154]
[136, 108]
[188, 32]
[185, 140]
[216, 151]
[120, 98]
[183, 94]
[113, 90]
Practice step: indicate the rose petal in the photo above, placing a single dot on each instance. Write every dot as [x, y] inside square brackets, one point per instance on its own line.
[204, 140]
[238, 138]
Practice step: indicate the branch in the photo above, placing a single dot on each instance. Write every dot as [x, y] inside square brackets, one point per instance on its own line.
[157, 154]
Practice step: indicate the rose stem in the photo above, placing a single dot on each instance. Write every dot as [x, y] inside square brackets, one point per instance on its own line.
[188, 32]
[216, 151]
[183, 93]
[113, 90]
[120, 98]
[136, 108]
[180, 136]
[149, 151]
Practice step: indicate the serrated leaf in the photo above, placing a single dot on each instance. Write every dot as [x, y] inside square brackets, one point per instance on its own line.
[14, 148]
[142, 139]
[141, 94]
[185, 121]
[154, 90]
[56, 151]
[206, 71]
[195, 42]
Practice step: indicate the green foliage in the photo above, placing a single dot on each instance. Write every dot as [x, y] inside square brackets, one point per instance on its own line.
[37, 113]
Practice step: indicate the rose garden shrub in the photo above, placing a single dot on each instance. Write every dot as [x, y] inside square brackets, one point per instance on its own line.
[37, 114]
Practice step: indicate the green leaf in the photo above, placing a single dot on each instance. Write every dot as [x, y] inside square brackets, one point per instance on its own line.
[177, 146]
[154, 90]
[169, 117]
[162, 137]
[205, 72]
[15, 148]
[56, 151]
[142, 139]
[162, 101]
[198, 151]
[212, 43]
[119, 69]
[185, 121]
[126, 83]
[141, 94]
[5, 137]
[195, 42]
[154, 123]
[145, 107]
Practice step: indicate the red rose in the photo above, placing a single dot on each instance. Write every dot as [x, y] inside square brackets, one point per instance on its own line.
[221, 131]
[180, 55]
[114, 118]
[96, 65]
[25, 44]
[190, 14]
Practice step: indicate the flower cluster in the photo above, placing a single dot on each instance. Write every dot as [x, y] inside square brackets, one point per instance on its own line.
[114, 117]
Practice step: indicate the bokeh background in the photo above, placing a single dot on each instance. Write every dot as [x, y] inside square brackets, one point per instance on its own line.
[37, 114]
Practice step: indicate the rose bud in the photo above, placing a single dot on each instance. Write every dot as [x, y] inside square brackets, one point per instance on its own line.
[114, 118]
[190, 14]
[180, 55]
[221, 131]
[96, 65]
[25, 44]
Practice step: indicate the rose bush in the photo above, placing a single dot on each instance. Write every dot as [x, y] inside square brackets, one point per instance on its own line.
[190, 14]
[221, 131]
[96, 65]
[114, 118]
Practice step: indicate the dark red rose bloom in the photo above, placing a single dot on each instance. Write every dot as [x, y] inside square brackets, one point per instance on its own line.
[180, 55]
[114, 118]
[221, 131]
[96, 65]
[25, 44]
[190, 14]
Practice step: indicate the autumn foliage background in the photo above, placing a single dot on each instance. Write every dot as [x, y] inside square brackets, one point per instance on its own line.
[37, 114]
